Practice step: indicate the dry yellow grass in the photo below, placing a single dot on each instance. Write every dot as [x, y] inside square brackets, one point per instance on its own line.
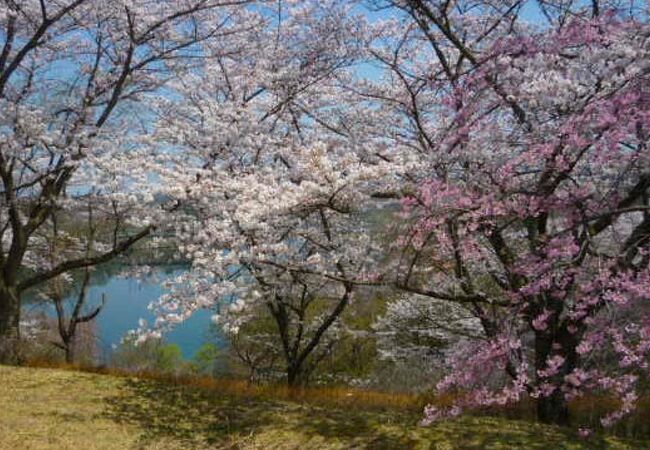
[58, 409]
[331, 396]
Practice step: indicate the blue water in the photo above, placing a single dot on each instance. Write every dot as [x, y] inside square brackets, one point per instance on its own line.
[126, 303]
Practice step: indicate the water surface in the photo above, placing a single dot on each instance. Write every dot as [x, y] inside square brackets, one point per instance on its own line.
[127, 300]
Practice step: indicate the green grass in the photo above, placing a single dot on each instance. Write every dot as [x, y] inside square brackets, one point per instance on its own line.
[56, 409]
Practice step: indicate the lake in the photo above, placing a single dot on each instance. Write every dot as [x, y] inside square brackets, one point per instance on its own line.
[127, 299]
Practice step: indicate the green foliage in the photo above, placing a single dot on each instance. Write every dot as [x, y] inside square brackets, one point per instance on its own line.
[150, 356]
[354, 357]
[206, 358]
[256, 350]
[169, 358]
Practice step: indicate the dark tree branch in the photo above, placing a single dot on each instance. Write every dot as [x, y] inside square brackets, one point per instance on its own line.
[84, 262]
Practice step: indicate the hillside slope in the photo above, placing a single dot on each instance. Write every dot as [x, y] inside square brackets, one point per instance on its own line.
[54, 409]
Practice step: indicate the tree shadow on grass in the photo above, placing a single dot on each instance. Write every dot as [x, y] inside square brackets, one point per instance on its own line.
[188, 415]
[197, 417]
[362, 429]
[486, 432]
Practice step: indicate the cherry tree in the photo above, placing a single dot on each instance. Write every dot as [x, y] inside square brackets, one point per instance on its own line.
[531, 204]
[271, 179]
[423, 330]
[73, 77]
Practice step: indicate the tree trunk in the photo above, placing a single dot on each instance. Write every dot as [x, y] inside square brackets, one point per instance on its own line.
[9, 326]
[553, 409]
[69, 356]
[69, 351]
[294, 376]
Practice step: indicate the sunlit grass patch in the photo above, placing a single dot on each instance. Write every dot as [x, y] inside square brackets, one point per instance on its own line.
[57, 409]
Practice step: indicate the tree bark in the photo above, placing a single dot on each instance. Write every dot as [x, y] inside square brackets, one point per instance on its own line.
[9, 325]
[69, 352]
[553, 409]
[295, 376]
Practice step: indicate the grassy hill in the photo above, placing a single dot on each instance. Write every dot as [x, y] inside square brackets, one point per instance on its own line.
[56, 409]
